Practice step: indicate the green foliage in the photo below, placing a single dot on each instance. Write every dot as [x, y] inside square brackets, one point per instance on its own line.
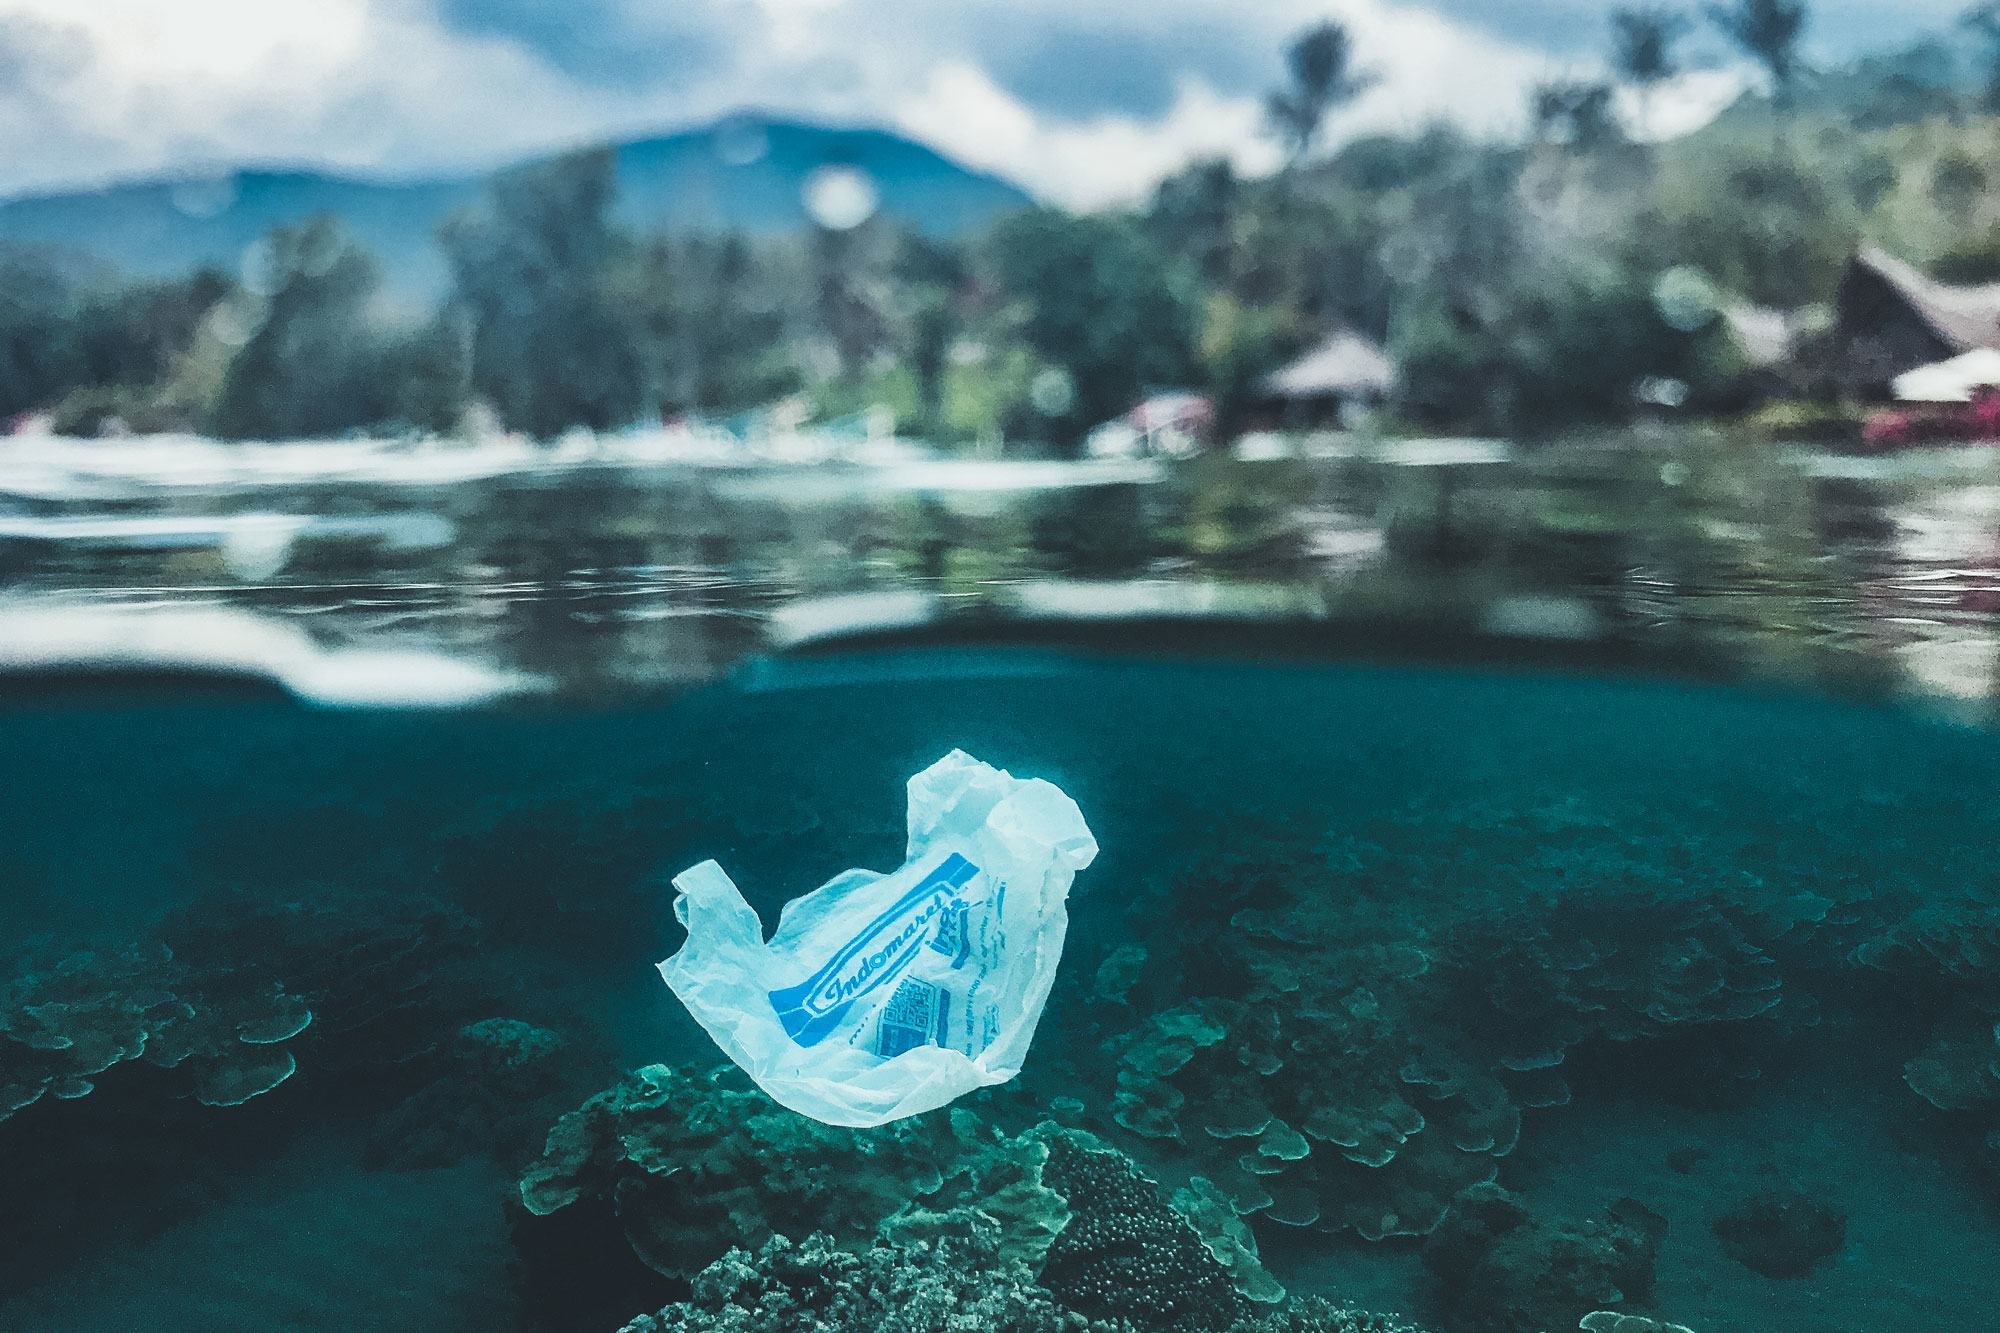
[1513, 281]
[1762, 222]
[312, 365]
[1983, 22]
[1097, 300]
[35, 297]
[64, 329]
[1240, 345]
[552, 348]
[710, 327]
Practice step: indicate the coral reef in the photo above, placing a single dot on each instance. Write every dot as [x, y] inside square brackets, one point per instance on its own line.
[1316, 1102]
[1331, 1060]
[693, 1163]
[817, 1287]
[947, 1286]
[1611, 1321]
[92, 1017]
[1502, 1270]
[137, 1078]
[389, 976]
[674, 1168]
[1549, 975]
[1124, 1254]
[1781, 1234]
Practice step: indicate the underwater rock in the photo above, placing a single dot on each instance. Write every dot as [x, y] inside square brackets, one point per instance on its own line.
[1782, 1234]
[1500, 1269]
[509, 1044]
[1312, 1314]
[494, 1087]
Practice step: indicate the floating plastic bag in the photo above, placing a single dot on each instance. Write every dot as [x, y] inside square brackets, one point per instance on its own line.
[884, 996]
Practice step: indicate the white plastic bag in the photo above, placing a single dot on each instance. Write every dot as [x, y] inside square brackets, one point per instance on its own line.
[884, 996]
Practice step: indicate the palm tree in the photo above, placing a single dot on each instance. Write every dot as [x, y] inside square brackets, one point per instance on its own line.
[1574, 114]
[1643, 38]
[1323, 77]
[1769, 32]
[1983, 21]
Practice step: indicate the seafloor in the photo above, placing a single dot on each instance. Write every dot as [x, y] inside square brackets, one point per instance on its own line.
[1501, 1002]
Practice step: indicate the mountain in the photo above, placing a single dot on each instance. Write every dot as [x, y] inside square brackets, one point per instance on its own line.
[744, 172]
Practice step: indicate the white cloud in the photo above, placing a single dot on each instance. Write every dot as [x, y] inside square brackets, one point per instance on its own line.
[1111, 160]
[117, 87]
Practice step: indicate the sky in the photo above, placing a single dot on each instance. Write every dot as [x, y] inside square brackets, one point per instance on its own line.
[1085, 102]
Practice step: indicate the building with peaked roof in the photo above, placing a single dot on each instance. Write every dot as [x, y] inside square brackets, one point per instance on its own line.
[1342, 372]
[1890, 318]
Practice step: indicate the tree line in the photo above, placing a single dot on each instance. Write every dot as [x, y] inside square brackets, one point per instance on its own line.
[1561, 278]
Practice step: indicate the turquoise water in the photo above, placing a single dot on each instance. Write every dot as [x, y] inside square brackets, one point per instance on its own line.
[1690, 973]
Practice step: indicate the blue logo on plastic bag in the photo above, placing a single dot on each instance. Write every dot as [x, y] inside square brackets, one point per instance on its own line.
[876, 955]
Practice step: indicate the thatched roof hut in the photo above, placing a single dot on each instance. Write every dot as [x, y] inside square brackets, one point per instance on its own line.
[1890, 318]
[1344, 370]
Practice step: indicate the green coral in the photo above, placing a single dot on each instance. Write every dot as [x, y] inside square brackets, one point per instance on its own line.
[89, 1018]
[1341, 1064]
[947, 1286]
[1126, 1254]
[692, 1163]
[997, 1191]
[686, 1165]
[817, 1287]
[1544, 977]
[1315, 1103]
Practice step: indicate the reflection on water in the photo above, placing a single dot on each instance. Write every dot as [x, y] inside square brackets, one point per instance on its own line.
[604, 573]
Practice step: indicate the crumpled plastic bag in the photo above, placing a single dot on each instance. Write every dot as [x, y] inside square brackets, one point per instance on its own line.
[884, 996]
